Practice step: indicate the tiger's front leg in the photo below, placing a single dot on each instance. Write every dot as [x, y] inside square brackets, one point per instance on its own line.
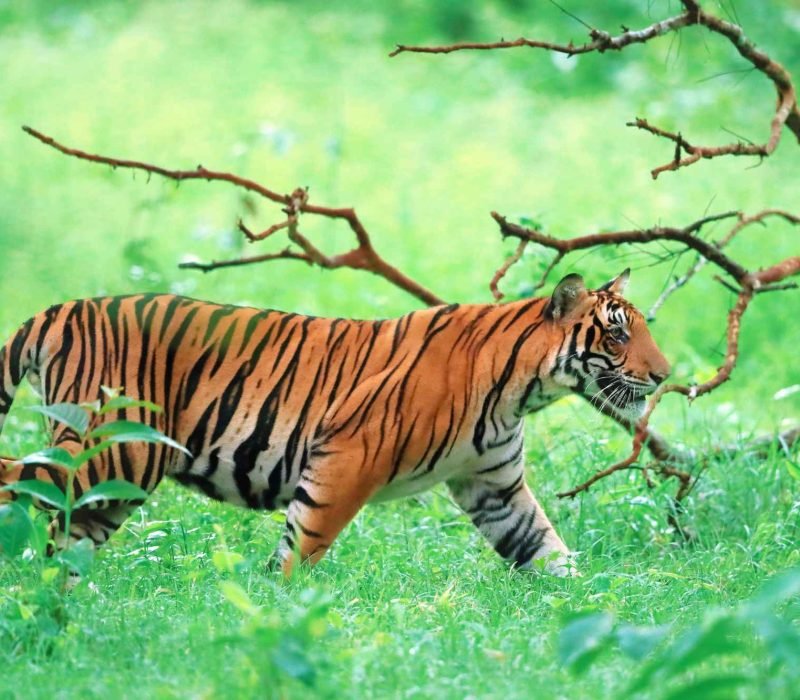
[503, 508]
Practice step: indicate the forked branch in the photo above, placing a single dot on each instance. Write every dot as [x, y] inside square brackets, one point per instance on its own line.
[786, 112]
[746, 283]
[362, 257]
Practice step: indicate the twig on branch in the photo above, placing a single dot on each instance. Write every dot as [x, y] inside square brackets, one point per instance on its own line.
[501, 271]
[362, 257]
[787, 113]
[600, 41]
[676, 284]
[701, 262]
[285, 254]
[266, 233]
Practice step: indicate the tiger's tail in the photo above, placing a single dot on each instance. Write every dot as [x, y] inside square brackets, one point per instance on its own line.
[16, 358]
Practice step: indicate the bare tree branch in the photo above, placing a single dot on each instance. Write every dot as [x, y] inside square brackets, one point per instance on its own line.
[701, 262]
[686, 236]
[786, 114]
[362, 257]
[747, 285]
[600, 41]
[285, 254]
[501, 271]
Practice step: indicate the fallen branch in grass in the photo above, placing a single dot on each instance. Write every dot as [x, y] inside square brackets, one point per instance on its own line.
[786, 113]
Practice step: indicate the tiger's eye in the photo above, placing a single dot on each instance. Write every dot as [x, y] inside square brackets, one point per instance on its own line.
[618, 335]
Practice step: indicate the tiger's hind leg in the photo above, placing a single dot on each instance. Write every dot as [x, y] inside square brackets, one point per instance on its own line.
[95, 524]
[509, 517]
[97, 521]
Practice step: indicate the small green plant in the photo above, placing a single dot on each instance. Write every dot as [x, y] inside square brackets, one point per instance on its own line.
[36, 614]
[95, 436]
[279, 649]
[705, 660]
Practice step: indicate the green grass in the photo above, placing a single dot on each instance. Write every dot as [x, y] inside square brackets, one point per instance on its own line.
[424, 147]
[420, 606]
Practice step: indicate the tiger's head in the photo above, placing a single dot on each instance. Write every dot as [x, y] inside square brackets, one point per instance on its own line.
[607, 353]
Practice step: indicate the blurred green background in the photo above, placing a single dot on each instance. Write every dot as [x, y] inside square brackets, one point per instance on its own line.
[303, 93]
[424, 146]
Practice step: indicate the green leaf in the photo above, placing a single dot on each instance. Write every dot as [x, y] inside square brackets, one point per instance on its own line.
[225, 561]
[291, 658]
[582, 639]
[85, 455]
[530, 222]
[45, 491]
[638, 642]
[129, 431]
[67, 413]
[716, 636]
[78, 557]
[719, 687]
[782, 640]
[775, 591]
[113, 490]
[15, 529]
[121, 402]
[51, 455]
[237, 596]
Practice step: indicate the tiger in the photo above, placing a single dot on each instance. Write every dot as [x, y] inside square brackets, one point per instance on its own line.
[320, 416]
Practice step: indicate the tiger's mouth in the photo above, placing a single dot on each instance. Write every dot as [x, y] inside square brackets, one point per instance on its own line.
[622, 394]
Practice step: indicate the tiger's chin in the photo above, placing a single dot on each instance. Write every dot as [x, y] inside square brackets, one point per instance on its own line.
[629, 408]
[632, 411]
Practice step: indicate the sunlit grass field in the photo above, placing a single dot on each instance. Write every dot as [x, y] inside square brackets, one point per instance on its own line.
[410, 602]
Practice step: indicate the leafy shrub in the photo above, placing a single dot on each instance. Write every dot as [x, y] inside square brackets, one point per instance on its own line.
[33, 616]
[707, 660]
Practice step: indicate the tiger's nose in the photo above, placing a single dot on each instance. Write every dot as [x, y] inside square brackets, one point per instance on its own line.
[657, 377]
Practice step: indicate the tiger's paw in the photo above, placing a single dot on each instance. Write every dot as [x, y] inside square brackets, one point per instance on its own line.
[563, 566]
[556, 563]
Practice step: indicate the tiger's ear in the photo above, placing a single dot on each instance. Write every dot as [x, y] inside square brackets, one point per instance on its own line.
[618, 284]
[568, 292]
